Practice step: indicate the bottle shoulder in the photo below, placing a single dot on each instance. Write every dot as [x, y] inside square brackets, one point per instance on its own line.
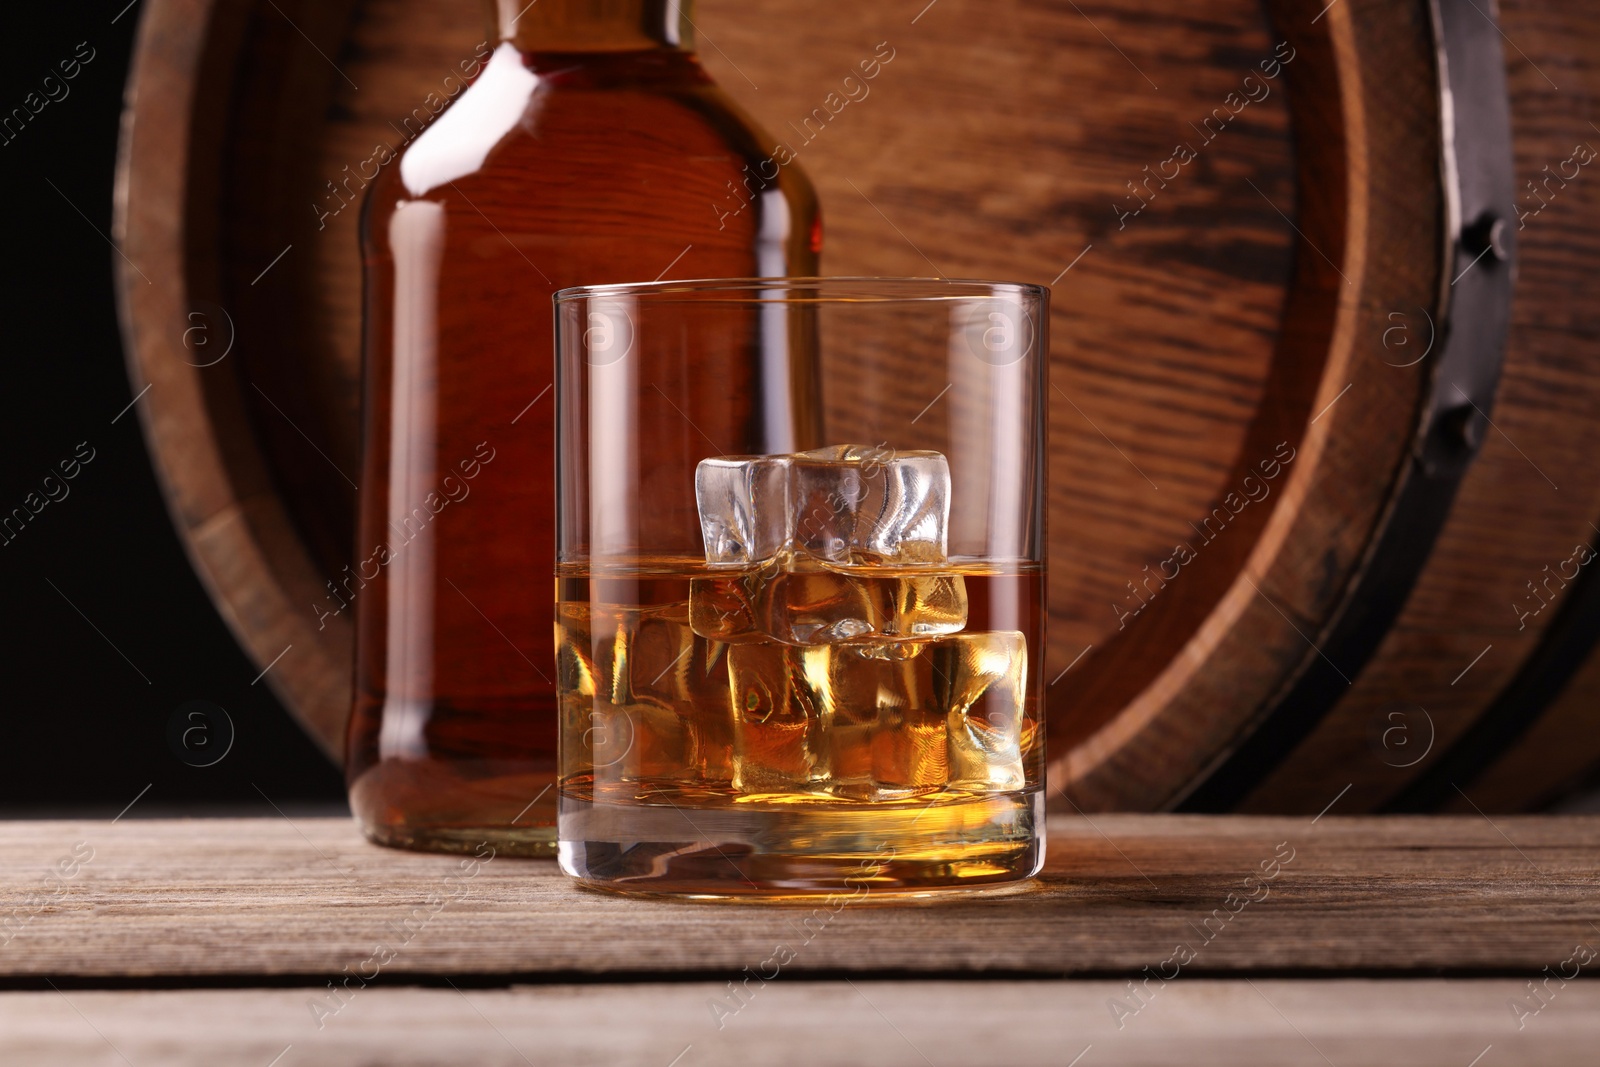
[568, 137]
[555, 151]
[565, 111]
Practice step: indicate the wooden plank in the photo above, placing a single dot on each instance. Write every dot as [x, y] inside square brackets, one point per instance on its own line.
[311, 898]
[894, 1024]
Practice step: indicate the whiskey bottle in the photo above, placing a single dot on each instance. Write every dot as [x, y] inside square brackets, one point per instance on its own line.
[591, 148]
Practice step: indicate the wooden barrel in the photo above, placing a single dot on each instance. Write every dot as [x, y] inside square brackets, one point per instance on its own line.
[1322, 435]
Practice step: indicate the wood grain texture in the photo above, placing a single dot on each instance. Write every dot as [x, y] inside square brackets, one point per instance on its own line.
[1557, 328]
[1213, 650]
[1531, 497]
[1195, 1021]
[310, 897]
[1551, 759]
[243, 542]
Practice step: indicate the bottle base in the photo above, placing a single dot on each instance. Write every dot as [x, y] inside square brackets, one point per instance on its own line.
[440, 806]
[799, 851]
[535, 841]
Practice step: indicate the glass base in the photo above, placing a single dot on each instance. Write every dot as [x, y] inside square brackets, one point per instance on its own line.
[805, 849]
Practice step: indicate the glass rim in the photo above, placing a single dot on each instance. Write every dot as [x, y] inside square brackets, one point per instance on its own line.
[840, 289]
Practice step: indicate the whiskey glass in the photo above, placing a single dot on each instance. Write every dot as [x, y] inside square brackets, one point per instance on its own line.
[800, 585]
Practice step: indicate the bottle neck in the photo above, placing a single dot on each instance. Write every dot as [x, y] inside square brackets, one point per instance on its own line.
[567, 26]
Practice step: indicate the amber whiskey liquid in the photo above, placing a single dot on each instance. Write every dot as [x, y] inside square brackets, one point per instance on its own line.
[702, 755]
[592, 148]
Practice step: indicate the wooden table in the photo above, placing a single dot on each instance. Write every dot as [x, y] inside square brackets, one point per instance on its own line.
[1149, 939]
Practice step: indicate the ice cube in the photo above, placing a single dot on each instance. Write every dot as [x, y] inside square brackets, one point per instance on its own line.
[980, 682]
[824, 496]
[910, 751]
[813, 605]
[931, 605]
[904, 510]
[632, 681]
[744, 508]
[724, 608]
[880, 721]
[776, 725]
[855, 504]
[905, 750]
[826, 720]
[793, 530]
[844, 504]
[832, 605]
[821, 607]
[876, 733]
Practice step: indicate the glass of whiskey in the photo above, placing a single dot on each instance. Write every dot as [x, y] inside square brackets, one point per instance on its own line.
[800, 585]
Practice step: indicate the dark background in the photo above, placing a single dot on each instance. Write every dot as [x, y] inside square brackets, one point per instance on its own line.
[107, 630]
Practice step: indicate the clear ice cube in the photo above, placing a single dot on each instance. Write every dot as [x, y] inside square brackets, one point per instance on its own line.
[776, 724]
[931, 605]
[980, 681]
[744, 507]
[873, 721]
[855, 504]
[826, 721]
[887, 738]
[723, 608]
[843, 504]
[633, 682]
[824, 495]
[796, 531]
[826, 605]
